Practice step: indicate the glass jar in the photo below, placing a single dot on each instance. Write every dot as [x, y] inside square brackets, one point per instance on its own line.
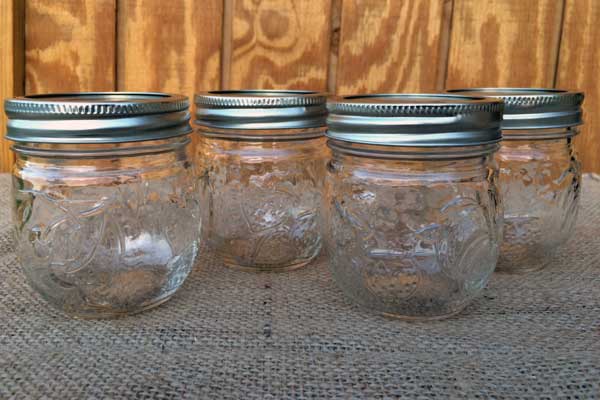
[413, 213]
[540, 175]
[106, 211]
[262, 159]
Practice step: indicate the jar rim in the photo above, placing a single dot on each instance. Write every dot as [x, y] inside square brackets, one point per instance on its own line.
[540, 133]
[100, 150]
[369, 150]
[264, 135]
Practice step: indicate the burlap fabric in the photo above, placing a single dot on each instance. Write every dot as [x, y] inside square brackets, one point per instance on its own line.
[230, 334]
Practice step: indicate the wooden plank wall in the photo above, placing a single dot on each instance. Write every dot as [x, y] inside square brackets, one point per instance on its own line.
[343, 46]
[11, 65]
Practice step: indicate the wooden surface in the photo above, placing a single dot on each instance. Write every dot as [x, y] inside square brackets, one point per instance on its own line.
[11, 65]
[279, 44]
[70, 45]
[407, 32]
[504, 43]
[343, 46]
[183, 55]
[579, 67]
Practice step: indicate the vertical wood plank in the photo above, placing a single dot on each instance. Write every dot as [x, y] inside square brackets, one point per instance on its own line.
[579, 69]
[444, 53]
[170, 46]
[504, 43]
[11, 67]
[334, 47]
[226, 47]
[70, 45]
[280, 44]
[389, 46]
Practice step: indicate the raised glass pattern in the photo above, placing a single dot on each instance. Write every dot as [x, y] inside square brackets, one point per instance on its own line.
[107, 236]
[540, 182]
[263, 200]
[413, 239]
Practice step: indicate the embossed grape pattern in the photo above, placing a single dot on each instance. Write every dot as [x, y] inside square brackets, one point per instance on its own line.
[413, 239]
[102, 244]
[540, 183]
[263, 201]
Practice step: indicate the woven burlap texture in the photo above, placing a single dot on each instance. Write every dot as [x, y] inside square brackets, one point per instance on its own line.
[230, 334]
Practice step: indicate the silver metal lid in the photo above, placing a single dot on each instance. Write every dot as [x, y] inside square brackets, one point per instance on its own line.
[533, 108]
[109, 117]
[415, 120]
[261, 109]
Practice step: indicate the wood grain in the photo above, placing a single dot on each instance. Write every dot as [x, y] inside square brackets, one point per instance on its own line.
[70, 45]
[11, 67]
[280, 44]
[390, 46]
[579, 69]
[170, 46]
[334, 47]
[504, 43]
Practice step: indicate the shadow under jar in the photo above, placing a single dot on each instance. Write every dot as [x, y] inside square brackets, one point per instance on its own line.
[106, 213]
[540, 175]
[413, 213]
[261, 158]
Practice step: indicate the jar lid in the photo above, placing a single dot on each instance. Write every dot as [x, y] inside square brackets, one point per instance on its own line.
[532, 108]
[109, 117]
[261, 109]
[415, 120]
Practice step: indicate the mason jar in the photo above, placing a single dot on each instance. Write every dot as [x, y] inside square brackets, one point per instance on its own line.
[261, 158]
[413, 212]
[540, 174]
[106, 211]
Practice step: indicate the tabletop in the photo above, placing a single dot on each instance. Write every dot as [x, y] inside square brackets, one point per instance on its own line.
[232, 334]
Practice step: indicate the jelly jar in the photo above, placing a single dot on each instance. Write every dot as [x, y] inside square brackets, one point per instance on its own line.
[106, 212]
[261, 158]
[540, 175]
[412, 209]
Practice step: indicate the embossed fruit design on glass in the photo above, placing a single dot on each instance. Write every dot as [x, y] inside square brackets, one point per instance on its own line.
[261, 159]
[106, 210]
[540, 175]
[412, 207]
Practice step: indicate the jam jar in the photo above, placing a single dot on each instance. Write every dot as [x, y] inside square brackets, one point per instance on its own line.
[411, 201]
[540, 175]
[261, 157]
[106, 211]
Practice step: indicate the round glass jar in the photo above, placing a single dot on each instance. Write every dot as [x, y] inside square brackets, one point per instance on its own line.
[262, 158]
[540, 175]
[106, 211]
[413, 213]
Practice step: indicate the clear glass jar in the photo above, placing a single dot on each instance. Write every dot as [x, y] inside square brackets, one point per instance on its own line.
[540, 182]
[261, 179]
[108, 228]
[413, 216]
[540, 175]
